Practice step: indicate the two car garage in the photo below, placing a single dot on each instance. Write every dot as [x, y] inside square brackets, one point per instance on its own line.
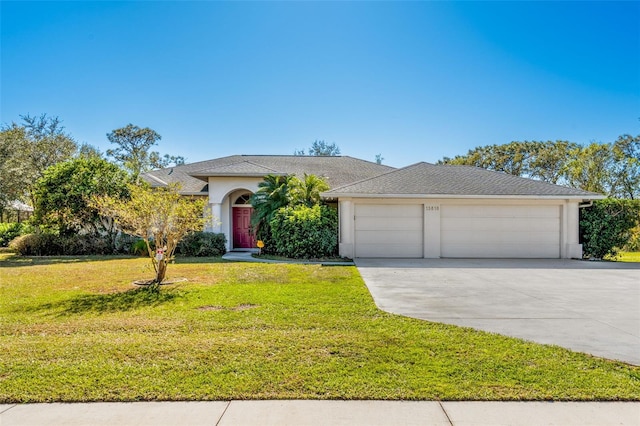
[433, 210]
[438, 229]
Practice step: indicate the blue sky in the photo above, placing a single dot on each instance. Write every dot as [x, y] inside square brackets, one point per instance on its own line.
[412, 81]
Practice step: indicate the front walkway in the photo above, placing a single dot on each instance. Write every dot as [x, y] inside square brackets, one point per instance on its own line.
[312, 413]
[247, 256]
[591, 307]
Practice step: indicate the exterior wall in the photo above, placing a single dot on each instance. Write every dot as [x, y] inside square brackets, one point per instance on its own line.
[222, 192]
[569, 221]
[347, 230]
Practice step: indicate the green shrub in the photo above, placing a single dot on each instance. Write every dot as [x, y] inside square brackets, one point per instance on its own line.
[139, 247]
[39, 244]
[85, 245]
[264, 234]
[48, 244]
[130, 244]
[9, 231]
[606, 226]
[202, 244]
[303, 232]
[634, 241]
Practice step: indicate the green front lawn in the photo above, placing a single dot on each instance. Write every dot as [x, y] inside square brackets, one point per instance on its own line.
[74, 329]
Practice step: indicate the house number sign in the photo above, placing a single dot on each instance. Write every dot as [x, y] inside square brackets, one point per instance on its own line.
[432, 208]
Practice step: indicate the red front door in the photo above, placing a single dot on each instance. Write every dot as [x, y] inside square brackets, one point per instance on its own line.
[242, 237]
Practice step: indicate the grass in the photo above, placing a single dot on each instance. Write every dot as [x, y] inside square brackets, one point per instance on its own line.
[629, 256]
[74, 329]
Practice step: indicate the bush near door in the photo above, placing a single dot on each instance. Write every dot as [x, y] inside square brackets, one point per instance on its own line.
[302, 232]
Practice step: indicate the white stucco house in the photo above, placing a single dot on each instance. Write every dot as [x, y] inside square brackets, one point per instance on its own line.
[419, 211]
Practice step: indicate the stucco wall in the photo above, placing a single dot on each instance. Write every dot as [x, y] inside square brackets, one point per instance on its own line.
[220, 190]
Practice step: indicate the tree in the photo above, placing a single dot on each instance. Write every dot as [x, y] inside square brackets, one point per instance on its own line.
[320, 148]
[133, 150]
[541, 160]
[27, 150]
[379, 158]
[549, 162]
[626, 153]
[13, 165]
[608, 168]
[62, 196]
[160, 216]
[273, 192]
[307, 191]
[89, 151]
[591, 168]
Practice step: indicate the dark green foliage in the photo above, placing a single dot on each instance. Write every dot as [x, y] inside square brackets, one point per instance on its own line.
[62, 195]
[48, 244]
[130, 244]
[202, 244]
[273, 192]
[606, 226]
[305, 232]
[276, 193]
[9, 231]
[139, 247]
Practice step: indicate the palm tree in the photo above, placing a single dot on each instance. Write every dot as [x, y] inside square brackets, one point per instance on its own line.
[273, 192]
[308, 191]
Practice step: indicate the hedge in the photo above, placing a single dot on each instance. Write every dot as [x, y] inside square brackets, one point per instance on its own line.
[202, 244]
[302, 232]
[606, 226]
[47, 244]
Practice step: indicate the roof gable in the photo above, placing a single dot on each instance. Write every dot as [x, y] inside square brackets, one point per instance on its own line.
[337, 170]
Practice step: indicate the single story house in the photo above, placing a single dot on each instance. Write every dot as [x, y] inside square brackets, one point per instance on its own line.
[419, 211]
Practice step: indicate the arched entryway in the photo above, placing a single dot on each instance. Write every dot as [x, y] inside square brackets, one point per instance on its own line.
[241, 222]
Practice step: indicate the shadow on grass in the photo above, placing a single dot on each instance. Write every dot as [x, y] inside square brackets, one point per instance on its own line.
[112, 302]
[12, 260]
[188, 260]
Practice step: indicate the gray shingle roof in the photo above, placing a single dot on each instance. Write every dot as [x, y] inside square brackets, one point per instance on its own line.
[424, 179]
[338, 170]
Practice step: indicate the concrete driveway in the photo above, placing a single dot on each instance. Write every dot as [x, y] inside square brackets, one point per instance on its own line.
[591, 307]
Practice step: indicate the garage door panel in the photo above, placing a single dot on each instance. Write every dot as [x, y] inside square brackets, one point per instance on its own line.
[500, 231]
[507, 250]
[387, 250]
[388, 210]
[387, 230]
[502, 225]
[389, 237]
[371, 223]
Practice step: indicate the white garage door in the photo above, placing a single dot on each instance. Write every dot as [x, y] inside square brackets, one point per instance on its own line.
[388, 230]
[500, 231]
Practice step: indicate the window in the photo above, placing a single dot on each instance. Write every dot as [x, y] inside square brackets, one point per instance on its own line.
[243, 199]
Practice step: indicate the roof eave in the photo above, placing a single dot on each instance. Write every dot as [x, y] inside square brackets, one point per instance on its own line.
[206, 176]
[587, 197]
[199, 193]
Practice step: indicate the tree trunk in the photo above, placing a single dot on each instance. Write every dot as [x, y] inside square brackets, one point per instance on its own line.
[162, 270]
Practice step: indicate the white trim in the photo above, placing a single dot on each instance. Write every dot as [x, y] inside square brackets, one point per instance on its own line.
[453, 196]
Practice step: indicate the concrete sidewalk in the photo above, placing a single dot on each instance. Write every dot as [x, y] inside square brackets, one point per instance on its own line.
[310, 413]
